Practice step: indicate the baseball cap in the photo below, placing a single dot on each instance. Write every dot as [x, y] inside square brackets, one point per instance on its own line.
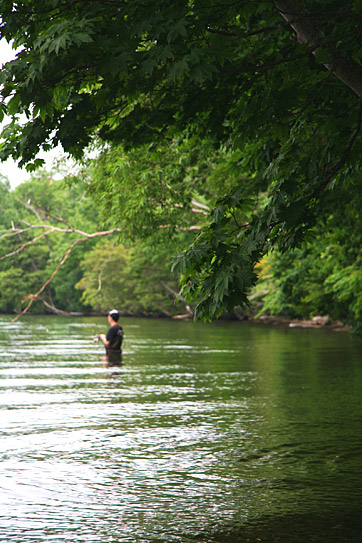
[114, 314]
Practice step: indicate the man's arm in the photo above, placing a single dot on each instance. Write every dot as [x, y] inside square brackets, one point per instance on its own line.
[103, 338]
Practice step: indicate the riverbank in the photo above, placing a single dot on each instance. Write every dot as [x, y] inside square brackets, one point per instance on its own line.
[272, 320]
[315, 322]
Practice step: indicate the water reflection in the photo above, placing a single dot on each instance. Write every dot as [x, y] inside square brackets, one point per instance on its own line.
[112, 360]
[221, 433]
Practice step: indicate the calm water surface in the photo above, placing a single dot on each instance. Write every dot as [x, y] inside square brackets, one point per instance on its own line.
[221, 433]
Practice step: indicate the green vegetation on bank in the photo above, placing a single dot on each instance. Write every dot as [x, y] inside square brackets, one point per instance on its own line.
[321, 277]
[99, 273]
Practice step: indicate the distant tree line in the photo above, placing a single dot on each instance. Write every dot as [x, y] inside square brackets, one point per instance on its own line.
[42, 220]
[40, 223]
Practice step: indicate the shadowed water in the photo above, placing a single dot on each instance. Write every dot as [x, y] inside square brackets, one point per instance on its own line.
[221, 433]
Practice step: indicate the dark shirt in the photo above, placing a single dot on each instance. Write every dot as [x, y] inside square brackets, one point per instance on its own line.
[115, 338]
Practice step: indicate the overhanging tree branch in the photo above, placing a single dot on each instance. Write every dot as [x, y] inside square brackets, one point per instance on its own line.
[344, 68]
[334, 169]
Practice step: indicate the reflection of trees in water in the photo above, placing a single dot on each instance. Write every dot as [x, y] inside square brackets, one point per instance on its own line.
[334, 526]
[112, 360]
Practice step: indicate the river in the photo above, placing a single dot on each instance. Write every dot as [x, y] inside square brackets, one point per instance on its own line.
[205, 433]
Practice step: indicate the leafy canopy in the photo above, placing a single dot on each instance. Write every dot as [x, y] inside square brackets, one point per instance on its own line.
[279, 83]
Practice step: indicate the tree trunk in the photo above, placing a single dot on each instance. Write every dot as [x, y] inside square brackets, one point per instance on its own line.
[344, 68]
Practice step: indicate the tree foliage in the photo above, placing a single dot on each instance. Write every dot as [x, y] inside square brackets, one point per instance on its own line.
[278, 85]
[41, 222]
[136, 279]
[323, 276]
[32, 236]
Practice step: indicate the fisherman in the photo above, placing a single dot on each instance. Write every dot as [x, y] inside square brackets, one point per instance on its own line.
[114, 337]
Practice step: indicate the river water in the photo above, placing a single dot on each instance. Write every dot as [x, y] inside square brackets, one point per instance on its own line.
[210, 433]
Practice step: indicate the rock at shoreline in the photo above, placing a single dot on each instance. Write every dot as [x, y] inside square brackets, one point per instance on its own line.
[315, 322]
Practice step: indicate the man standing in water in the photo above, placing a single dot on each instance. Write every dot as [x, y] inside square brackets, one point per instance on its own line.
[114, 337]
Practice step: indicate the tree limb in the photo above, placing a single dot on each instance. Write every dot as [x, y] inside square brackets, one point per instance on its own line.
[262, 68]
[334, 169]
[38, 211]
[182, 228]
[25, 245]
[57, 311]
[345, 69]
[202, 206]
[49, 229]
[250, 33]
[178, 297]
[84, 236]
[33, 297]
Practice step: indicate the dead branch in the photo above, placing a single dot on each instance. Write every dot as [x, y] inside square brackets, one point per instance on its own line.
[51, 229]
[202, 206]
[38, 210]
[18, 231]
[193, 209]
[69, 229]
[31, 208]
[19, 249]
[182, 228]
[60, 311]
[33, 297]
[178, 297]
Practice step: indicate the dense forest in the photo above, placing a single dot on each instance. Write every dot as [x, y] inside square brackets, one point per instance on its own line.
[42, 218]
[227, 138]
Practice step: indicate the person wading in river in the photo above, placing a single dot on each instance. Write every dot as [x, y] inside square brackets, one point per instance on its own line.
[114, 337]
